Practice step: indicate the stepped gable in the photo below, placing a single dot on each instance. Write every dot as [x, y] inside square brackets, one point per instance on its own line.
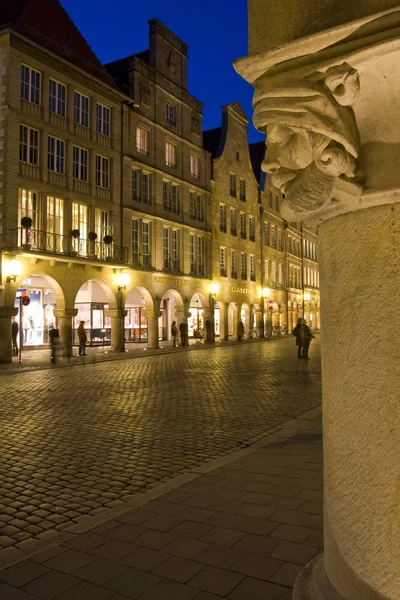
[48, 24]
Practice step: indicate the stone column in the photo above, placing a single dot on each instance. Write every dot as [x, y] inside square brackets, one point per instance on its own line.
[182, 315]
[65, 327]
[259, 323]
[268, 324]
[6, 315]
[152, 330]
[225, 323]
[117, 330]
[330, 108]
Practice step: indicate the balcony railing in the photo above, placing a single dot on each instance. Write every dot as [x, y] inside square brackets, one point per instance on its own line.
[56, 243]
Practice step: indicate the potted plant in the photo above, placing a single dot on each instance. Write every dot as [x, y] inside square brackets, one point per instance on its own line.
[26, 223]
[107, 239]
[92, 236]
[75, 234]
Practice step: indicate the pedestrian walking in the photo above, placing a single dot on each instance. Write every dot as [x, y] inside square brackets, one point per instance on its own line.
[14, 335]
[296, 333]
[82, 338]
[54, 336]
[174, 334]
[306, 336]
[240, 330]
[183, 331]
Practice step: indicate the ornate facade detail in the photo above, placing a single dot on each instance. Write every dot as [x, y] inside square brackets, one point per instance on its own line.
[312, 136]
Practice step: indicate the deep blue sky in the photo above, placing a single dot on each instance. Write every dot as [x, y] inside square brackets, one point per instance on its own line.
[215, 30]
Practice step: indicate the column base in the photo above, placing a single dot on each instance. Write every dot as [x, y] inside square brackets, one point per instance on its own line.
[313, 584]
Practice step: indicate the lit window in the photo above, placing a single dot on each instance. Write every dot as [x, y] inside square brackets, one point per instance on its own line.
[243, 265]
[57, 97]
[103, 120]
[170, 155]
[222, 261]
[252, 267]
[142, 141]
[194, 166]
[30, 85]
[171, 197]
[243, 225]
[28, 145]
[81, 109]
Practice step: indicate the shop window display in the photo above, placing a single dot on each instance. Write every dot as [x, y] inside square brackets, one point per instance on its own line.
[97, 323]
[38, 317]
[136, 325]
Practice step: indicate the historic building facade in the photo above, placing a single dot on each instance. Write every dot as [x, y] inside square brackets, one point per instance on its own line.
[113, 212]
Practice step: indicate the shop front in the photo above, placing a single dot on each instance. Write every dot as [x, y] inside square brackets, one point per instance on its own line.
[136, 325]
[38, 317]
[93, 304]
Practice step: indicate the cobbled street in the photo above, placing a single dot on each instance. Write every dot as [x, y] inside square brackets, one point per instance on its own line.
[79, 440]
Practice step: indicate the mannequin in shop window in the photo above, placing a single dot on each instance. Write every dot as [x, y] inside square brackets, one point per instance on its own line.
[31, 329]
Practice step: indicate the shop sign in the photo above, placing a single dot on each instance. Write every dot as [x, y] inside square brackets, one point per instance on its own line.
[239, 290]
[25, 300]
[172, 281]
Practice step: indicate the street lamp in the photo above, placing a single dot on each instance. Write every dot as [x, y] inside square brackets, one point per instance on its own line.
[214, 289]
[14, 269]
[123, 280]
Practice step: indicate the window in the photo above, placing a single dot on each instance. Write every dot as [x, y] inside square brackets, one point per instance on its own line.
[275, 202]
[252, 229]
[200, 255]
[196, 211]
[233, 220]
[28, 206]
[80, 222]
[28, 145]
[266, 233]
[142, 141]
[135, 242]
[171, 249]
[252, 267]
[102, 171]
[269, 198]
[54, 219]
[222, 217]
[141, 242]
[243, 225]
[222, 261]
[232, 184]
[141, 186]
[273, 273]
[102, 224]
[170, 155]
[57, 97]
[280, 275]
[81, 109]
[242, 189]
[171, 114]
[199, 208]
[243, 265]
[194, 166]
[56, 155]
[80, 164]
[171, 197]
[237, 154]
[103, 120]
[30, 85]
[233, 264]
[280, 239]
[273, 236]
[266, 271]
[192, 250]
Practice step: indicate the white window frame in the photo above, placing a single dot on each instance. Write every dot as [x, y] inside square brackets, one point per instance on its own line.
[81, 109]
[135, 242]
[102, 172]
[29, 145]
[194, 166]
[146, 243]
[30, 88]
[80, 164]
[266, 270]
[192, 250]
[280, 274]
[57, 97]
[273, 273]
[56, 155]
[103, 119]
[142, 140]
[171, 155]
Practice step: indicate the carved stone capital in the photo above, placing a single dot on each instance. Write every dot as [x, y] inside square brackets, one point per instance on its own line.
[312, 136]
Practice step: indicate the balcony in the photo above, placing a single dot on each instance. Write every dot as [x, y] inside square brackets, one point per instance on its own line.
[43, 242]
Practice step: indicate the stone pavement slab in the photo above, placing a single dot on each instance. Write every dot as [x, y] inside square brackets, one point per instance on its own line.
[222, 554]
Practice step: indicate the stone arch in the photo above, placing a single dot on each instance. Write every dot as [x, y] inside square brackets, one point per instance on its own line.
[173, 307]
[59, 291]
[93, 299]
[139, 307]
[147, 297]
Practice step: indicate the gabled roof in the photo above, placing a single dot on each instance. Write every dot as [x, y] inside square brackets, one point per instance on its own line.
[48, 24]
[257, 155]
[211, 140]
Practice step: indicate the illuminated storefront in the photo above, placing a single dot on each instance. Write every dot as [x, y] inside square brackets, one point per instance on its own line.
[97, 323]
[136, 325]
[38, 317]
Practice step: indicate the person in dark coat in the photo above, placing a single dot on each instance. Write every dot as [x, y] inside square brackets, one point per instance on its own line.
[296, 333]
[240, 330]
[54, 336]
[174, 334]
[306, 336]
[183, 332]
[14, 335]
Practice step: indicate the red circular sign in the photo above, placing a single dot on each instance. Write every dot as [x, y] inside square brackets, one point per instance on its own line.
[271, 308]
[26, 301]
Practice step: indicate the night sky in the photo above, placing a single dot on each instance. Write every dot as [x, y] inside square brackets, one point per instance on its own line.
[215, 30]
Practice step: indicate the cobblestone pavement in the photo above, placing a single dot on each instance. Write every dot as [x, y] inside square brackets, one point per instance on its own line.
[78, 441]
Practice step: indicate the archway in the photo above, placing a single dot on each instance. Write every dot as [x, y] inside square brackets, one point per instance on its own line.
[219, 321]
[244, 316]
[172, 309]
[36, 319]
[232, 320]
[93, 301]
[138, 305]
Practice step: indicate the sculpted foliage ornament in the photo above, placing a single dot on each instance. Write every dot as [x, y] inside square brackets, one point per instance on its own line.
[312, 136]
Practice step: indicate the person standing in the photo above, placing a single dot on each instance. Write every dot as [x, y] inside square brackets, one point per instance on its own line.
[240, 330]
[296, 333]
[14, 335]
[183, 331]
[54, 336]
[174, 334]
[306, 336]
[82, 338]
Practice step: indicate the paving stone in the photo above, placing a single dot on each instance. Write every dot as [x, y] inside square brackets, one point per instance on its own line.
[315, 508]
[221, 519]
[193, 513]
[255, 589]
[22, 573]
[316, 538]
[185, 547]
[126, 532]
[296, 553]
[155, 539]
[69, 561]
[222, 536]
[7, 592]
[113, 550]
[85, 542]
[191, 529]
[291, 517]
[287, 574]
[257, 526]
[86, 591]
[314, 522]
[291, 533]
[257, 544]
[166, 590]
[136, 517]
[161, 523]
[179, 569]
[99, 571]
[144, 559]
[132, 583]
[219, 556]
[260, 567]
[256, 511]
[215, 580]
[51, 585]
